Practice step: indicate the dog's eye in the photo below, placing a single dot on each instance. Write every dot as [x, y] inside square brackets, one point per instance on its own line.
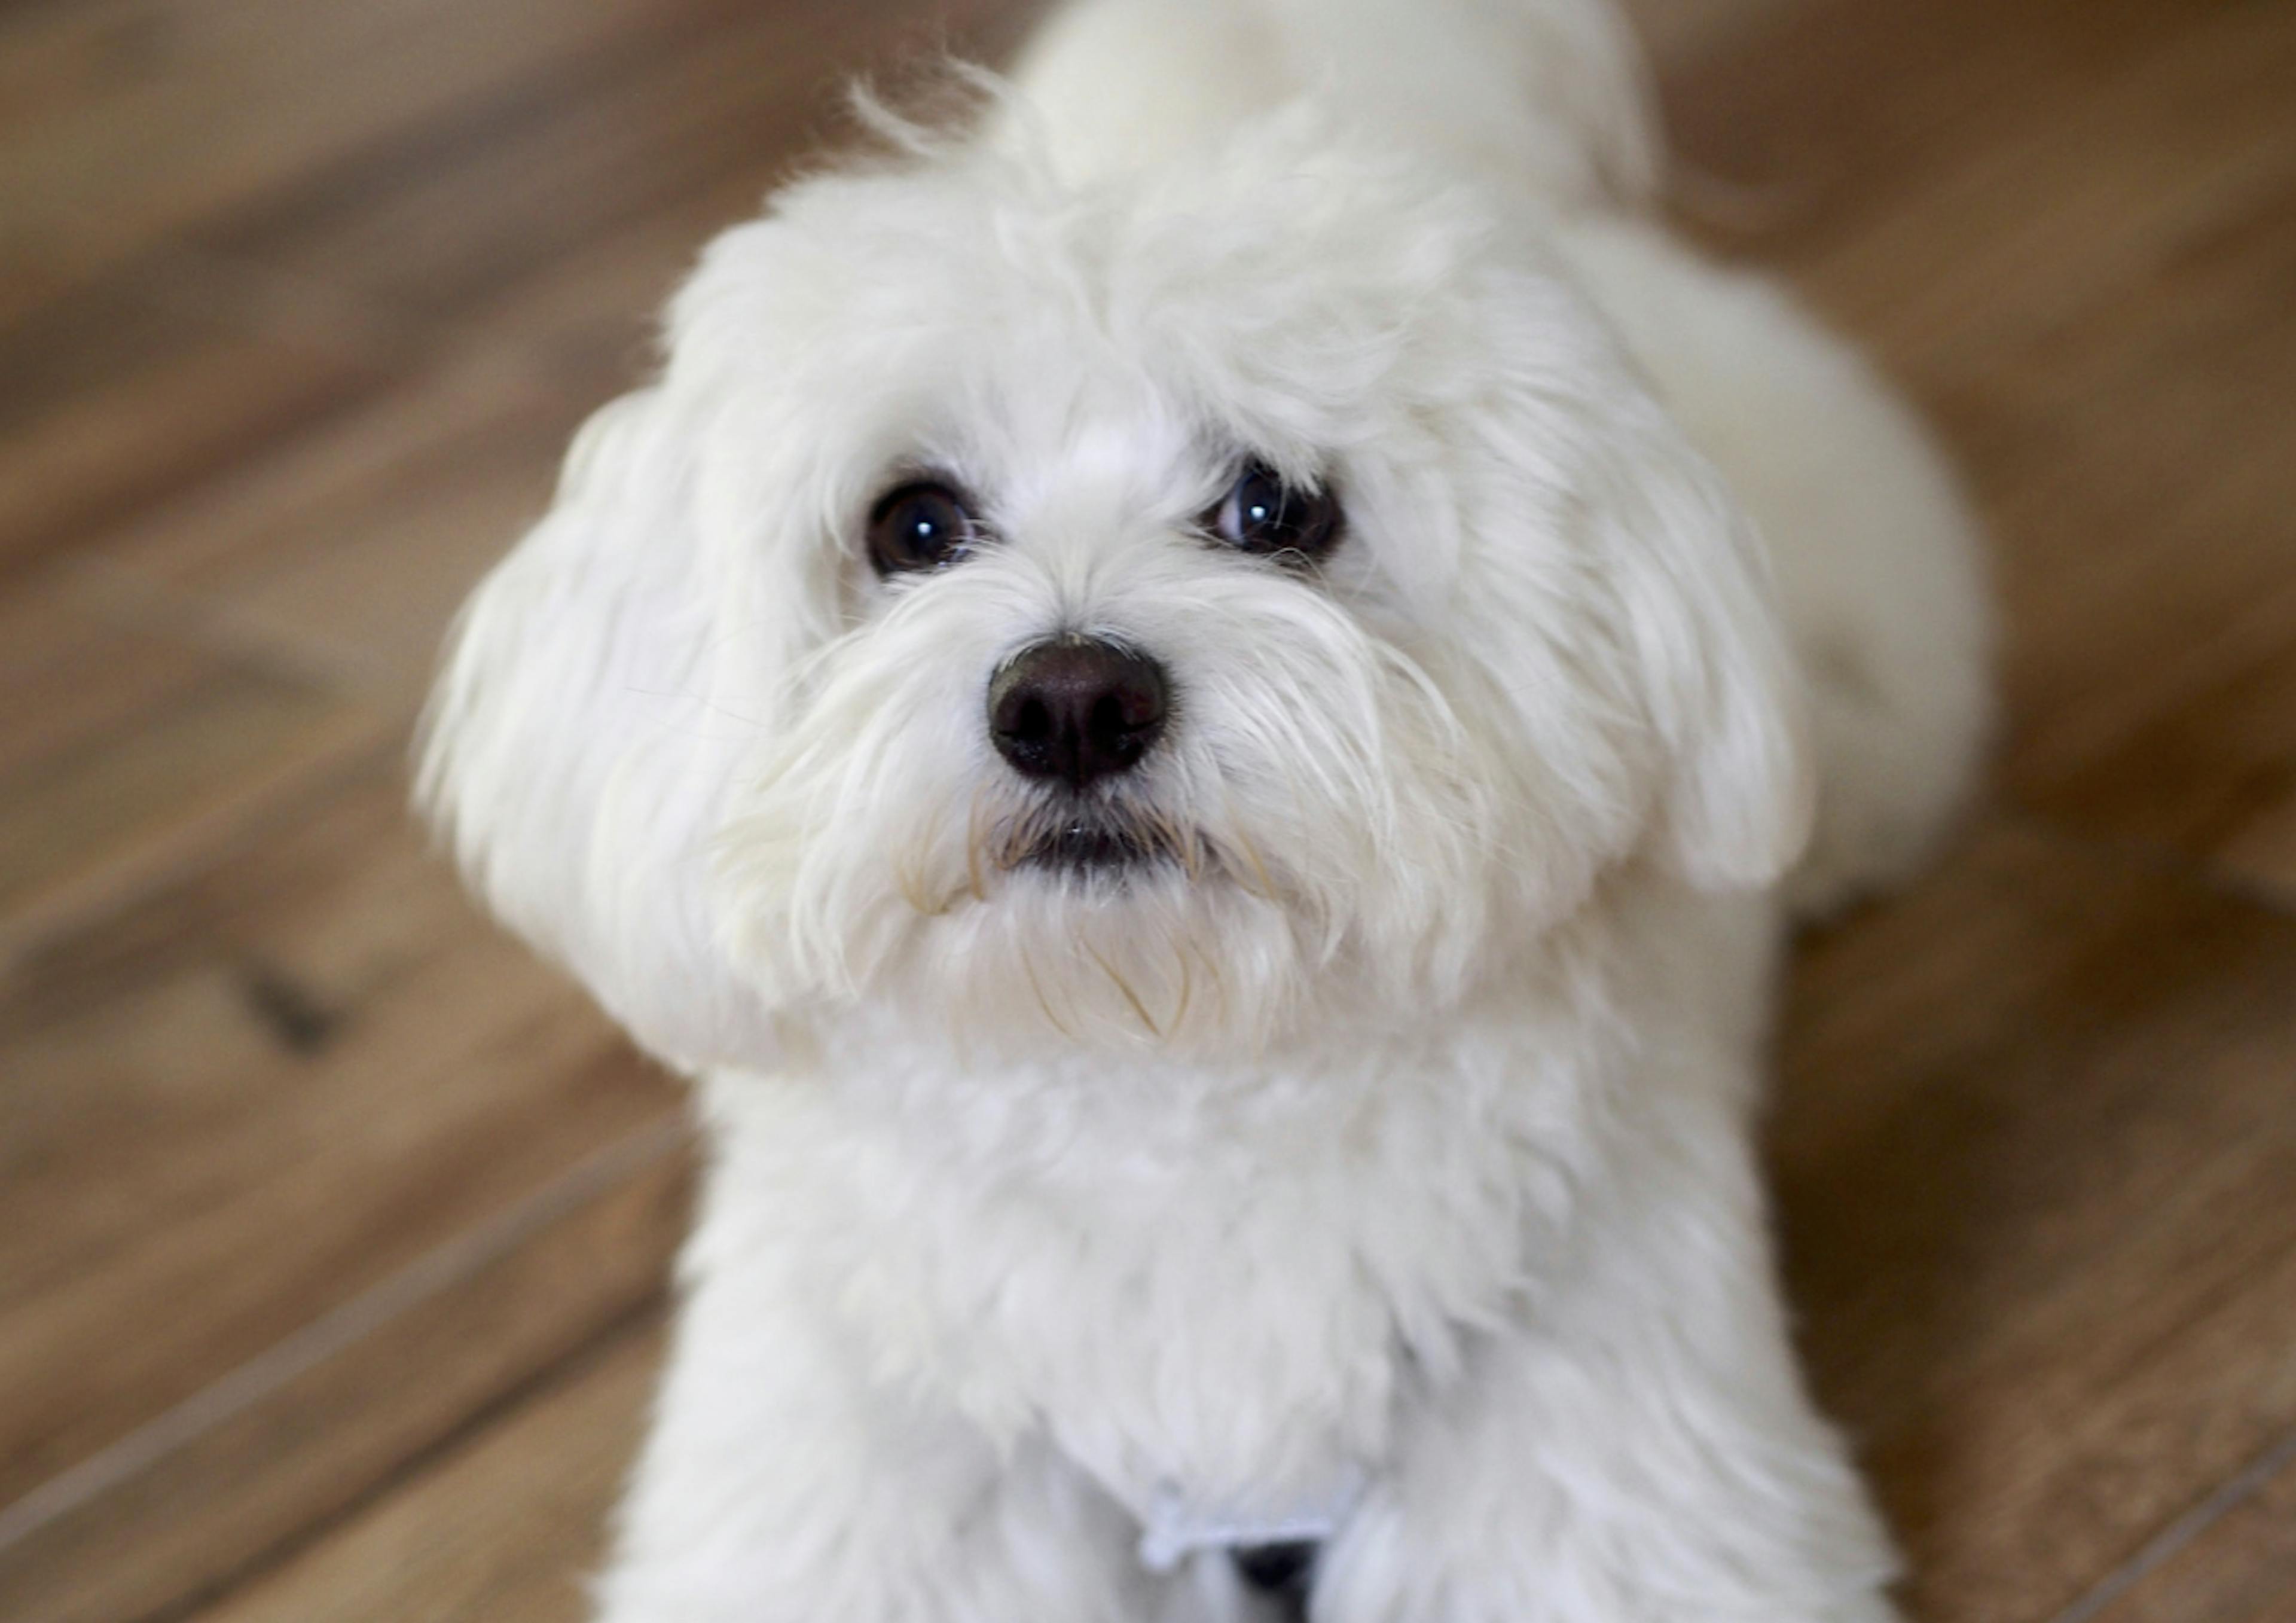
[1262, 514]
[920, 526]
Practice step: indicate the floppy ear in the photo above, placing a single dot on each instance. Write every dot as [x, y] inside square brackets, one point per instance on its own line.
[577, 756]
[1722, 691]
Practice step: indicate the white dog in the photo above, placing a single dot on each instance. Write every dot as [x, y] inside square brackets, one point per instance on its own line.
[1176, 706]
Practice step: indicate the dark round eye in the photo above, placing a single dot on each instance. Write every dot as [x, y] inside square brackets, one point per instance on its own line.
[920, 526]
[1262, 514]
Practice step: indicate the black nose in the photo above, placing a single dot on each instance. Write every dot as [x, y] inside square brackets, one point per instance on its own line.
[1076, 709]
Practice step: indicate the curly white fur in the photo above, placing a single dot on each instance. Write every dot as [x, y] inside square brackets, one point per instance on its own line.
[1395, 1128]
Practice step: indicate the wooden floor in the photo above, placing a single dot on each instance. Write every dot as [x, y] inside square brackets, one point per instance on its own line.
[332, 1229]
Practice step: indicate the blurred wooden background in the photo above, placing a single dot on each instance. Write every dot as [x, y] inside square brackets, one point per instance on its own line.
[332, 1229]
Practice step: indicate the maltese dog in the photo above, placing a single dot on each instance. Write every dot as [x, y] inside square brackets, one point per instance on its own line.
[1197, 703]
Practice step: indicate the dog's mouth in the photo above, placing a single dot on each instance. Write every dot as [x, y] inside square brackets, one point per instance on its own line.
[1097, 845]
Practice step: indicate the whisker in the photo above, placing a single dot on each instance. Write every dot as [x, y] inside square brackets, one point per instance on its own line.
[972, 851]
[1044, 1004]
[909, 877]
[1013, 844]
[1123, 986]
[1266, 890]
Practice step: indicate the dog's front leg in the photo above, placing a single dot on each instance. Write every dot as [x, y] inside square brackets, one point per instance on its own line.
[782, 1485]
[1637, 1449]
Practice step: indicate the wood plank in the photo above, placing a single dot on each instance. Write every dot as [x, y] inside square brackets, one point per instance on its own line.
[238, 1487]
[123, 741]
[2089, 282]
[115, 393]
[2097, 179]
[2120, 357]
[590, 321]
[445, 231]
[502, 1529]
[1820, 119]
[243, 1101]
[2038, 1180]
[2239, 1568]
[173, 112]
[353, 545]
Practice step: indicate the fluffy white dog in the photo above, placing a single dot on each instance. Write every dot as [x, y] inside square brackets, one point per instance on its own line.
[1176, 706]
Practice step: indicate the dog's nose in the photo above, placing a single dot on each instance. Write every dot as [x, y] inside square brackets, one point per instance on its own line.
[1076, 709]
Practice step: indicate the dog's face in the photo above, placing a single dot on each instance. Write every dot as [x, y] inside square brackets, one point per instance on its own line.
[1172, 612]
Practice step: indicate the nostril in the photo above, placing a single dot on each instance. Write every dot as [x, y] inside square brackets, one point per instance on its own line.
[1033, 719]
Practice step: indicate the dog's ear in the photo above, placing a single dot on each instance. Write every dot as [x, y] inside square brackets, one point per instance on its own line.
[1722, 691]
[575, 755]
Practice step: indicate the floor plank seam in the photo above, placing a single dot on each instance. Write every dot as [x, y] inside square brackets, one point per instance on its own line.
[485, 117]
[2162, 861]
[197, 846]
[147, 601]
[635, 1319]
[251, 297]
[2164, 1545]
[22, 565]
[253, 293]
[333, 1332]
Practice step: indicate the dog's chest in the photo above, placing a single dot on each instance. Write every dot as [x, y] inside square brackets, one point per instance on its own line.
[1218, 1337]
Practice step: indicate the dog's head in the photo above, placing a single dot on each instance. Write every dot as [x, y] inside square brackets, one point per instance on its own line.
[1175, 611]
